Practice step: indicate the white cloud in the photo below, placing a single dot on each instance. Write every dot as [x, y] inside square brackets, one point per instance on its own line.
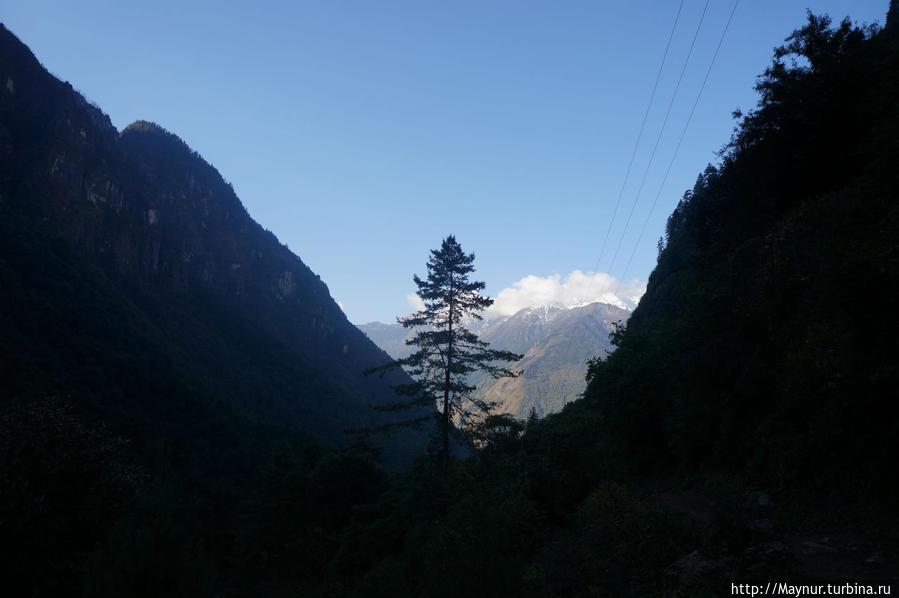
[578, 288]
[415, 302]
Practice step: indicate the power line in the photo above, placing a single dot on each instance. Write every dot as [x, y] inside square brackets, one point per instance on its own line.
[659, 138]
[679, 141]
[630, 165]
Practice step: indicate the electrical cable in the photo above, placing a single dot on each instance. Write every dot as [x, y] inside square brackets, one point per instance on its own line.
[630, 165]
[677, 147]
[659, 138]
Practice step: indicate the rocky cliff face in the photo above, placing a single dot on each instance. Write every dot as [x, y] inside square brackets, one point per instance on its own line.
[146, 223]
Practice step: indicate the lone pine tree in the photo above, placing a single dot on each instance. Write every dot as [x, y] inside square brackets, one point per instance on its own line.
[446, 351]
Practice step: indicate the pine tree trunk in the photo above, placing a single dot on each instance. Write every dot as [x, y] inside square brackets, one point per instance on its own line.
[446, 387]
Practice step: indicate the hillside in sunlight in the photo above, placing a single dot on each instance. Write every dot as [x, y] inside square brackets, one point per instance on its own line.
[556, 343]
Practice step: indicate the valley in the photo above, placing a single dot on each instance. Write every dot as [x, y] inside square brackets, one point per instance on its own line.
[556, 341]
[186, 410]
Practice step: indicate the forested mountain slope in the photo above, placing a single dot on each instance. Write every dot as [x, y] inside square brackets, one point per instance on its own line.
[743, 430]
[135, 284]
[767, 335]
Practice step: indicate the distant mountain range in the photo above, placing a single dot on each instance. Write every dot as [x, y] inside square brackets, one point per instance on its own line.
[556, 342]
[135, 285]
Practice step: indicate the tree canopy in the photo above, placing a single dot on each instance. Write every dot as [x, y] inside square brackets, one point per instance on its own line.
[446, 350]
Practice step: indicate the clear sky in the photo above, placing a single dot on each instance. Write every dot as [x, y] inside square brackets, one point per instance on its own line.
[362, 133]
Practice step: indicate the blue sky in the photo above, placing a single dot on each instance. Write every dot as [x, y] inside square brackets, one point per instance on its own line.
[362, 133]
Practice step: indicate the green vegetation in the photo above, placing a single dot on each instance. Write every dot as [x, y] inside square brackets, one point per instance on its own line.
[743, 428]
[446, 351]
[766, 339]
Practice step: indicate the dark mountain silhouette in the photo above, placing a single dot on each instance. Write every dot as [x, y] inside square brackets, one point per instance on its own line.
[135, 284]
[743, 429]
[745, 424]
[766, 338]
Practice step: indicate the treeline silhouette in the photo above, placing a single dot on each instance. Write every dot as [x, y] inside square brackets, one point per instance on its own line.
[761, 357]
[766, 339]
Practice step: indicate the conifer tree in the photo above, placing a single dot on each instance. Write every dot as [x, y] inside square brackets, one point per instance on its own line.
[446, 351]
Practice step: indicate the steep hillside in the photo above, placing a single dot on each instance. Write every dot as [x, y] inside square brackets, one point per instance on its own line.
[520, 331]
[135, 284]
[745, 426]
[766, 340]
[557, 344]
